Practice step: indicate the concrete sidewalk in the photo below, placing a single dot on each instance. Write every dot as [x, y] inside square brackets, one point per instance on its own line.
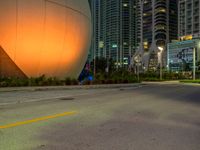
[45, 88]
[162, 82]
[35, 94]
[175, 82]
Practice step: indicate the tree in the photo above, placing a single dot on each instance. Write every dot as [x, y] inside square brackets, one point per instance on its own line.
[101, 64]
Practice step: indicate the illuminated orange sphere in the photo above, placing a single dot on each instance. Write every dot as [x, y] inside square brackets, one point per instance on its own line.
[46, 37]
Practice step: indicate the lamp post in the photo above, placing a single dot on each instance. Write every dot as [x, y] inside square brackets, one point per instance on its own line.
[194, 63]
[137, 59]
[161, 49]
[107, 67]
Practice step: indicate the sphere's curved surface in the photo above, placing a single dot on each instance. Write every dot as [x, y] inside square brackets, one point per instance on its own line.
[49, 37]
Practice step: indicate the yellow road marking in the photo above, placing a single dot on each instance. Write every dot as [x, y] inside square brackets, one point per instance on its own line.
[37, 120]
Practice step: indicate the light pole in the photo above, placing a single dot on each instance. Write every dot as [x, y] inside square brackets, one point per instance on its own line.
[194, 63]
[137, 59]
[144, 69]
[161, 49]
[107, 68]
[138, 72]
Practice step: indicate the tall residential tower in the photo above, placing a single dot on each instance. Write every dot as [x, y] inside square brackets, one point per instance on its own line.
[189, 18]
[115, 33]
[159, 26]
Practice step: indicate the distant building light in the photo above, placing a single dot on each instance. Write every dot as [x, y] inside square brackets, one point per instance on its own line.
[144, 14]
[126, 61]
[125, 4]
[101, 44]
[187, 37]
[145, 43]
[162, 10]
[125, 43]
[114, 46]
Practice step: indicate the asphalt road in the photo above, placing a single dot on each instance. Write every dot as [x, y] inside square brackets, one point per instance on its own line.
[147, 117]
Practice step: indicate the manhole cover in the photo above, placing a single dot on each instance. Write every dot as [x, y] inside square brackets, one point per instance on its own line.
[66, 98]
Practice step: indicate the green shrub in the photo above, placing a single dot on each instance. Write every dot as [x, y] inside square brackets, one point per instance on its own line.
[190, 81]
[67, 81]
[39, 81]
[87, 82]
[3, 84]
[74, 82]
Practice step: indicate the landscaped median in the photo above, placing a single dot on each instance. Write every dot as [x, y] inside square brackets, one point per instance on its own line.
[191, 81]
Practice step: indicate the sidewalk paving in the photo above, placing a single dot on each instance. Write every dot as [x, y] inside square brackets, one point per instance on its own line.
[19, 95]
[45, 88]
[162, 82]
[174, 82]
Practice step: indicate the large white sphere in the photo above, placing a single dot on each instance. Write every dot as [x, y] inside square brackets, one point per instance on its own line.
[50, 37]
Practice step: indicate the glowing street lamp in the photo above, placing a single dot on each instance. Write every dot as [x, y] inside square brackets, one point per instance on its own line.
[137, 59]
[161, 49]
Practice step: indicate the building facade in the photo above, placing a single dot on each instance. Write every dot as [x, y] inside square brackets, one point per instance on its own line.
[159, 26]
[189, 18]
[115, 33]
[180, 55]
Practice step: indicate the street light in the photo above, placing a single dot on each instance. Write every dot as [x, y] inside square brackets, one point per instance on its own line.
[107, 68]
[137, 59]
[194, 63]
[161, 49]
[144, 68]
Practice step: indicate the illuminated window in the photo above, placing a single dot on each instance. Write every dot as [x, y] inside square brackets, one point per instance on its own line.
[125, 4]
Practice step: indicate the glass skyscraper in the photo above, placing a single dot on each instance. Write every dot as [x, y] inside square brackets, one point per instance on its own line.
[115, 33]
[159, 26]
[189, 18]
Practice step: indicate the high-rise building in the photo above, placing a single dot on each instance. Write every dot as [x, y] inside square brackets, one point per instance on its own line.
[90, 52]
[159, 26]
[180, 53]
[115, 33]
[189, 18]
[95, 12]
